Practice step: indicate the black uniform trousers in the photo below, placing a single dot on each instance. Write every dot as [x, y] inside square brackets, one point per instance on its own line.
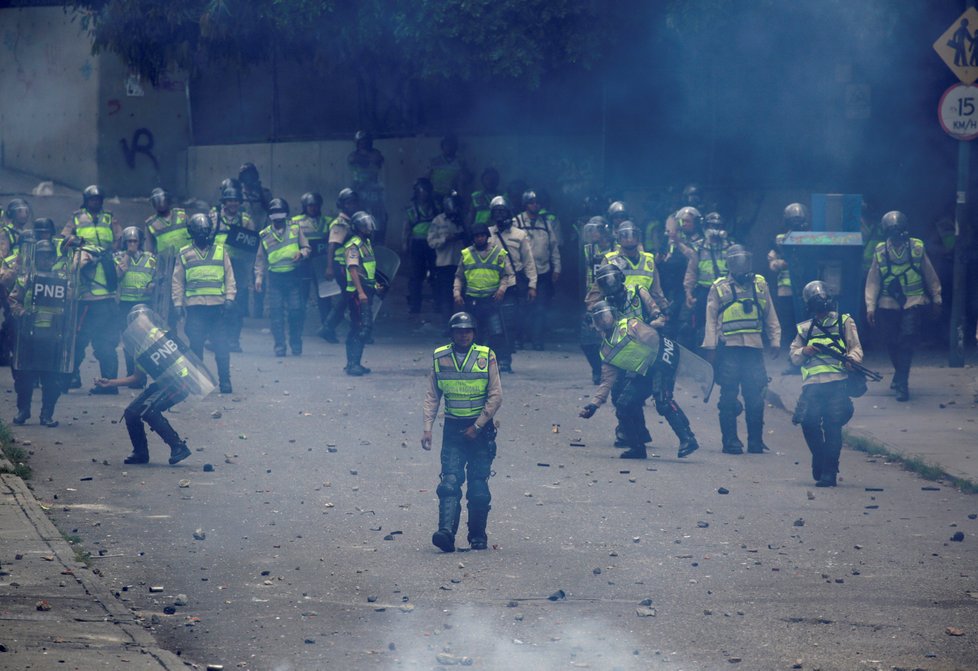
[51, 387]
[785, 306]
[590, 341]
[338, 303]
[124, 308]
[422, 262]
[209, 322]
[463, 459]
[285, 298]
[244, 273]
[901, 330]
[361, 325]
[491, 331]
[539, 310]
[98, 325]
[823, 410]
[149, 407]
[444, 280]
[514, 309]
[740, 370]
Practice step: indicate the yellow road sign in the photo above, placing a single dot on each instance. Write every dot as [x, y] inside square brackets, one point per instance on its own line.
[958, 46]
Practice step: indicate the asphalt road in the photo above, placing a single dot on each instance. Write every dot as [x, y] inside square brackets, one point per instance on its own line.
[317, 519]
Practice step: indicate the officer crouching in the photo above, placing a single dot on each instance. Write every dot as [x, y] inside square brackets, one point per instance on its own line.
[824, 407]
[468, 377]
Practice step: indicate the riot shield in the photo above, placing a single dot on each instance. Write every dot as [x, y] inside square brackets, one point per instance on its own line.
[164, 357]
[691, 371]
[45, 335]
[388, 261]
[162, 299]
[320, 260]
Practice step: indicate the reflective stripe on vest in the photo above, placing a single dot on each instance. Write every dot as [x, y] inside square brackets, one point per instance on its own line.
[593, 258]
[624, 352]
[281, 250]
[134, 283]
[463, 386]
[313, 229]
[482, 275]
[480, 205]
[94, 282]
[420, 221]
[340, 220]
[633, 308]
[170, 233]
[784, 275]
[711, 264]
[740, 315]
[95, 230]
[443, 175]
[222, 225]
[204, 275]
[368, 263]
[907, 272]
[820, 364]
[638, 274]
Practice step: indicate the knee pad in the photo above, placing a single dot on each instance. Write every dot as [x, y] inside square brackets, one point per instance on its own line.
[448, 487]
[478, 496]
[730, 405]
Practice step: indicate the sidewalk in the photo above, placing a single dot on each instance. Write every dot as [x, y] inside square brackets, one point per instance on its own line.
[55, 612]
[939, 425]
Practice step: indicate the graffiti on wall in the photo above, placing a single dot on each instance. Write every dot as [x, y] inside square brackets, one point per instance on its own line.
[142, 143]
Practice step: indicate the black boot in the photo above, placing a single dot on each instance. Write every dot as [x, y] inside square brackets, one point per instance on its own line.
[634, 452]
[826, 480]
[178, 453]
[22, 417]
[755, 437]
[687, 445]
[478, 540]
[728, 433]
[449, 510]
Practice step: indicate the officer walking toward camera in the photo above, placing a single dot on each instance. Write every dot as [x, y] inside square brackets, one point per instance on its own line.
[281, 251]
[314, 225]
[824, 407]
[523, 291]
[203, 292]
[348, 204]
[740, 317]
[467, 376]
[544, 234]
[167, 228]
[137, 271]
[228, 221]
[900, 284]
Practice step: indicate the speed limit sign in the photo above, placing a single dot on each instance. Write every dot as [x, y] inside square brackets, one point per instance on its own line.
[958, 112]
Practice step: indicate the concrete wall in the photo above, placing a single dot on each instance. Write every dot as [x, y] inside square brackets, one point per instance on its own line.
[71, 117]
[562, 165]
[48, 96]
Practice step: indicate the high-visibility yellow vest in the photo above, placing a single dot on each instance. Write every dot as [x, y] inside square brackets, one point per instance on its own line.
[741, 314]
[223, 224]
[907, 272]
[638, 274]
[625, 352]
[464, 384]
[281, 248]
[632, 308]
[711, 263]
[96, 230]
[134, 283]
[482, 274]
[784, 275]
[313, 229]
[93, 279]
[594, 257]
[340, 220]
[204, 273]
[480, 206]
[169, 233]
[443, 174]
[420, 221]
[368, 263]
[831, 335]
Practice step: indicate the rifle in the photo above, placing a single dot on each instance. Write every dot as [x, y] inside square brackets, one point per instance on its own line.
[855, 367]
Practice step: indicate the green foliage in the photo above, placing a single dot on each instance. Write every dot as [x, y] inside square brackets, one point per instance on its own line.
[917, 465]
[521, 40]
[17, 456]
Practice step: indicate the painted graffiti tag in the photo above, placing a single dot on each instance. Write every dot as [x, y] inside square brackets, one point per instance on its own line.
[142, 143]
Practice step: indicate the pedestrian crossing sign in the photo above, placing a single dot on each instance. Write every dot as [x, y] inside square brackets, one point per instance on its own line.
[958, 46]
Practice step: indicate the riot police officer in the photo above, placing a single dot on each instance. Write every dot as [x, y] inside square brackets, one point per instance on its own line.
[417, 221]
[228, 221]
[707, 263]
[203, 291]
[617, 215]
[637, 265]
[137, 272]
[544, 234]
[824, 407]
[283, 247]
[467, 376]
[740, 318]
[348, 204]
[167, 228]
[365, 163]
[447, 238]
[314, 225]
[95, 226]
[900, 283]
[361, 286]
[795, 219]
[16, 216]
[597, 243]
[481, 210]
[523, 290]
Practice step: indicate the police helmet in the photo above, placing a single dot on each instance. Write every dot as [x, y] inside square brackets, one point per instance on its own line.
[499, 210]
[499, 203]
[363, 223]
[610, 279]
[480, 229]
[796, 217]
[617, 211]
[817, 297]
[130, 233]
[688, 212]
[278, 209]
[346, 200]
[137, 311]
[363, 136]
[595, 229]
[452, 204]
[159, 199]
[895, 225]
[627, 232]
[248, 173]
[311, 199]
[713, 220]
[43, 228]
[25, 237]
[691, 194]
[422, 188]
[19, 211]
[603, 315]
[739, 261]
[529, 196]
[461, 320]
[43, 255]
[201, 229]
[93, 192]
[230, 192]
